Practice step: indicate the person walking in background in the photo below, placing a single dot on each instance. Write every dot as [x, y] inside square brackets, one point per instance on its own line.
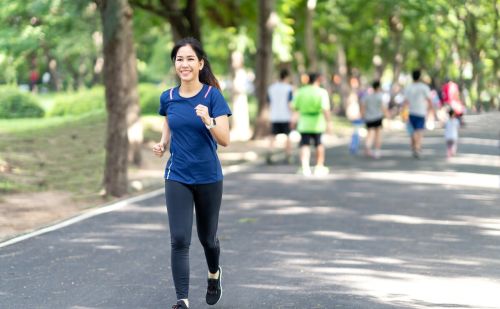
[279, 96]
[353, 113]
[313, 107]
[451, 133]
[450, 94]
[196, 120]
[373, 111]
[418, 100]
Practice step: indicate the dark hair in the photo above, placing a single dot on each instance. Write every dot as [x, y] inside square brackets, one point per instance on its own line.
[284, 73]
[376, 84]
[313, 77]
[206, 76]
[415, 75]
[451, 112]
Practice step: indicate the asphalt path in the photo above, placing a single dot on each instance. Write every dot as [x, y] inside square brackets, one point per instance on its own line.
[390, 233]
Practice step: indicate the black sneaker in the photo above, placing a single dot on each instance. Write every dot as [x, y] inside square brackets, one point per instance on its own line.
[180, 305]
[214, 289]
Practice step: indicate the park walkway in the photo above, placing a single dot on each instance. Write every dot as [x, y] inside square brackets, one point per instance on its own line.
[390, 233]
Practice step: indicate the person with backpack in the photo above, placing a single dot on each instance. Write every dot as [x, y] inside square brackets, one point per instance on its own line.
[312, 105]
[196, 120]
[450, 94]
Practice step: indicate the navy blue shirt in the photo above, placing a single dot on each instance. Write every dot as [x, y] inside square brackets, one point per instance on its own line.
[193, 150]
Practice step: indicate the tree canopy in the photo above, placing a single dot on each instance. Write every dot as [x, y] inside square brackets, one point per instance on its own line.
[380, 39]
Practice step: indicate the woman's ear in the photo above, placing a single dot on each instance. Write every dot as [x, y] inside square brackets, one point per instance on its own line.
[202, 64]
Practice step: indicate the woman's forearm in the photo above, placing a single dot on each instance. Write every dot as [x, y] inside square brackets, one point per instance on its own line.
[165, 133]
[221, 131]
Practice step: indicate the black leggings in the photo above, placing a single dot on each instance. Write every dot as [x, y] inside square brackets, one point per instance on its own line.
[180, 199]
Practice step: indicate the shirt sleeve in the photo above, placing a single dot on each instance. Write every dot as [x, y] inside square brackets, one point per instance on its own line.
[428, 92]
[218, 104]
[162, 110]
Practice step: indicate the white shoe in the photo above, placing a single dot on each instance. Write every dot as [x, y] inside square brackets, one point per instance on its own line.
[321, 170]
[305, 171]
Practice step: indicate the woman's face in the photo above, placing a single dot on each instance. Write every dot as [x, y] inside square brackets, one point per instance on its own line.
[187, 64]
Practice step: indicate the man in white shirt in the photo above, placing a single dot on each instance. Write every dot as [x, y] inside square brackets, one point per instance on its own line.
[418, 101]
[279, 96]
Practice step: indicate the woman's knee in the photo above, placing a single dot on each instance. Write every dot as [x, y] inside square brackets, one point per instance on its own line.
[180, 241]
[209, 242]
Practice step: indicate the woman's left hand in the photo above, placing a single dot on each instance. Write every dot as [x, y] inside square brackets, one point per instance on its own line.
[202, 112]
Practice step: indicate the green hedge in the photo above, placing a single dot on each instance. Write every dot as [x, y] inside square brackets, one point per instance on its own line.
[93, 99]
[149, 98]
[17, 104]
[78, 103]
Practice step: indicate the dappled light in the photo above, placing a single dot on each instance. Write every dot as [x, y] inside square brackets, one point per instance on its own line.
[341, 235]
[399, 208]
[411, 220]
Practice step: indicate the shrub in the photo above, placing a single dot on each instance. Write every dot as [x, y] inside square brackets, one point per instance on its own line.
[149, 98]
[93, 99]
[17, 104]
[80, 102]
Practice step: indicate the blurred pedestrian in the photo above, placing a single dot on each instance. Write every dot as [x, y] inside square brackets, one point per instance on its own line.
[353, 113]
[279, 96]
[451, 133]
[34, 76]
[418, 101]
[373, 110]
[196, 120]
[450, 94]
[312, 104]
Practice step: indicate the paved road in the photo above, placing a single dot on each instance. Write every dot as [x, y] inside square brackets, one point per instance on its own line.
[390, 233]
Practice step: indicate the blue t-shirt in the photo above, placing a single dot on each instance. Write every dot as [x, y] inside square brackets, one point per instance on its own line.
[193, 150]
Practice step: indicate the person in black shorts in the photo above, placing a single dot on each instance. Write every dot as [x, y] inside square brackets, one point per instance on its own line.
[373, 110]
[279, 96]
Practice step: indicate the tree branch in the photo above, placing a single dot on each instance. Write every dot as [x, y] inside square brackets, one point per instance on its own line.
[163, 12]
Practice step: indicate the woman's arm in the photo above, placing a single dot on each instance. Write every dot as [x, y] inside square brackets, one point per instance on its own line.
[160, 148]
[221, 130]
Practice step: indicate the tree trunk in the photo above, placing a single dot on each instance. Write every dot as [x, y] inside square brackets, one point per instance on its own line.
[240, 129]
[396, 27]
[471, 32]
[496, 60]
[120, 81]
[264, 64]
[344, 78]
[54, 81]
[312, 59]
[378, 61]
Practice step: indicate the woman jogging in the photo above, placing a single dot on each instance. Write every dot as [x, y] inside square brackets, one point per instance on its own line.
[196, 120]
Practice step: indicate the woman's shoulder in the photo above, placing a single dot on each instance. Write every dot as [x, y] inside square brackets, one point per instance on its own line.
[167, 95]
[211, 92]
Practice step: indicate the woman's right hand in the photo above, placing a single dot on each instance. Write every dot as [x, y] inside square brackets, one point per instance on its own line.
[159, 149]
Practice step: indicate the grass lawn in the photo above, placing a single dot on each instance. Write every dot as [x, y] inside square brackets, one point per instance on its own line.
[65, 153]
[58, 153]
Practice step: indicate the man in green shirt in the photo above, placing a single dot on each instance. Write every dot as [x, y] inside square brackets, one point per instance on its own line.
[312, 104]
